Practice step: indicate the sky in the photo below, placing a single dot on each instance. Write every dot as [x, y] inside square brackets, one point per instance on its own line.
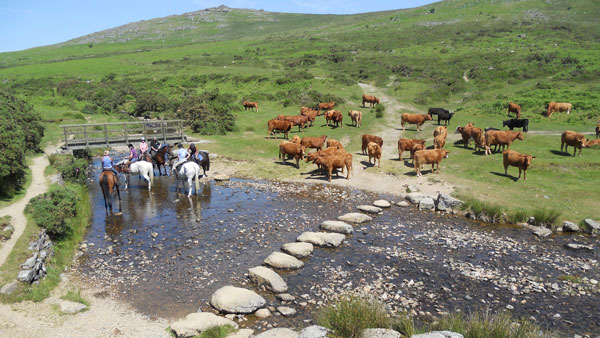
[32, 23]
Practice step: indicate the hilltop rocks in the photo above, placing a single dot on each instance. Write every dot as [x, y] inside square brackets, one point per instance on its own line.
[337, 226]
[269, 278]
[322, 238]
[298, 249]
[34, 268]
[382, 204]
[230, 299]
[281, 260]
[381, 333]
[196, 323]
[354, 217]
[278, 333]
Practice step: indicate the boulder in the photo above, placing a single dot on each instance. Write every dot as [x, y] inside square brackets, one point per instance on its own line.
[325, 239]
[380, 333]
[402, 204]
[9, 288]
[282, 260]
[314, 331]
[337, 226]
[570, 227]
[278, 333]
[242, 333]
[449, 201]
[196, 323]
[369, 208]
[354, 217]
[414, 197]
[26, 276]
[542, 232]
[438, 334]
[426, 204]
[269, 278]
[230, 299]
[286, 311]
[262, 313]
[592, 225]
[577, 246]
[298, 249]
[382, 204]
[67, 306]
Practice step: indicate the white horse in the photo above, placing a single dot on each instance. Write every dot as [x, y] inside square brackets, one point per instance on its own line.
[141, 168]
[190, 171]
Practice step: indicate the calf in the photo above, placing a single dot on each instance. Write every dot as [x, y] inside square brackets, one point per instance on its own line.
[356, 117]
[439, 142]
[441, 130]
[293, 149]
[517, 123]
[299, 120]
[466, 133]
[375, 153]
[501, 138]
[433, 157]
[515, 159]
[313, 142]
[326, 105]
[366, 138]
[442, 114]
[514, 108]
[571, 138]
[405, 144]
[558, 107]
[335, 161]
[417, 119]
[250, 105]
[331, 143]
[416, 147]
[279, 126]
[372, 100]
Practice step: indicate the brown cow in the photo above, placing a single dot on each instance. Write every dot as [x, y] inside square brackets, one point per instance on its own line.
[366, 138]
[310, 113]
[439, 142]
[416, 147]
[312, 157]
[279, 126]
[335, 161]
[326, 105]
[293, 149]
[329, 116]
[433, 157]
[338, 117]
[295, 139]
[514, 108]
[441, 130]
[571, 138]
[406, 144]
[331, 143]
[479, 137]
[250, 105]
[466, 133]
[515, 159]
[298, 120]
[372, 100]
[417, 119]
[375, 153]
[313, 142]
[593, 143]
[558, 107]
[356, 117]
[501, 138]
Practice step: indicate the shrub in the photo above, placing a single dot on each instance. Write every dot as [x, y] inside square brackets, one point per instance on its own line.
[349, 316]
[72, 169]
[209, 113]
[379, 109]
[148, 102]
[51, 210]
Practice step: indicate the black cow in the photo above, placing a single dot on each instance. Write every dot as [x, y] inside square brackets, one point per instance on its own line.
[517, 123]
[490, 128]
[442, 114]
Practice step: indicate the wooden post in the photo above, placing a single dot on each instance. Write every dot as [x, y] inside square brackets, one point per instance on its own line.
[87, 142]
[106, 135]
[66, 138]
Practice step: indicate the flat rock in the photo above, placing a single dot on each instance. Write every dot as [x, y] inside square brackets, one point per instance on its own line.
[286, 297]
[542, 232]
[278, 333]
[314, 331]
[414, 197]
[438, 334]
[322, 238]
[354, 217]
[242, 333]
[221, 177]
[67, 306]
[426, 204]
[262, 313]
[593, 225]
[269, 278]
[282, 260]
[231, 299]
[286, 311]
[576, 246]
[449, 201]
[382, 204]
[369, 208]
[381, 333]
[298, 249]
[196, 323]
[337, 226]
[402, 204]
[9, 288]
[570, 227]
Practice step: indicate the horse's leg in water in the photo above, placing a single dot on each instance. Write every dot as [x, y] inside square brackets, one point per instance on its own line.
[104, 195]
[190, 178]
[119, 196]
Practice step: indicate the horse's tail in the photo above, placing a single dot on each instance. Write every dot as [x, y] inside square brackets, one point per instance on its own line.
[151, 174]
[197, 178]
[207, 158]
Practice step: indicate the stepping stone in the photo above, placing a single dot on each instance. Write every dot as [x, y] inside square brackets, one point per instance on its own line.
[281, 260]
[593, 225]
[381, 333]
[402, 204]
[286, 311]
[196, 323]
[286, 297]
[382, 204]
[337, 226]
[369, 208]
[314, 331]
[576, 246]
[298, 249]
[449, 201]
[325, 239]
[68, 306]
[230, 299]
[263, 313]
[269, 278]
[354, 217]
[278, 333]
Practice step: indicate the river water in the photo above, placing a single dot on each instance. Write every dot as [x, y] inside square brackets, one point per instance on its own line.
[168, 253]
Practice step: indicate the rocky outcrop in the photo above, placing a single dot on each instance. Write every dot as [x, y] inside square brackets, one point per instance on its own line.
[196, 323]
[269, 278]
[337, 226]
[230, 299]
[322, 238]
[34, 268]
[298, 249]
[9, 288]
[354, 217]
[280, 260]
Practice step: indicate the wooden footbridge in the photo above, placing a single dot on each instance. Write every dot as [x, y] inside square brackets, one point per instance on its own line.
[107, 135]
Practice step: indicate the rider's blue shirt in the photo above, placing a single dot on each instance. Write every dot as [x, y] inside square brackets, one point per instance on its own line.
[106, 162]
[182, 154]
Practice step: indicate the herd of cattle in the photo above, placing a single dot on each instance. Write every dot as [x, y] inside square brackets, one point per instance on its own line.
[335, 157]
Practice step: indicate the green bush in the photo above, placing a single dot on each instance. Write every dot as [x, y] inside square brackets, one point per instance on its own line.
[349, 316]
[209, 113]
[72, 169]
[51, 210]
[379, 109]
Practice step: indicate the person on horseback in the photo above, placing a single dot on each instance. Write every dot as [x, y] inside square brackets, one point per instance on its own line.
[143, 148]
[154, 147]
[133, 155]
[107, 164]
[182, 156]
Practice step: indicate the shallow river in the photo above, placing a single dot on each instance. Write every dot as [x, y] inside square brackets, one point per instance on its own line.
[168, 253]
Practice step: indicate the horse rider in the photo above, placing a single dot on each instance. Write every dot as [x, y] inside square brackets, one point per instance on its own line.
[182, 156]
[107, 164]
[133, 155]
[143, 148]
[195, 154]
[154, 147]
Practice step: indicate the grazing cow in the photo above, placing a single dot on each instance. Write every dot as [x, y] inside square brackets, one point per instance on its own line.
[295, 139]
[335, 161]
[514, 108]
[366, 138]
[515, 159]
[479, 137]
[442, 114]
[441, 130]
[250, 105]
[279, 126]
[406, 144]
[331, 143]
[501, 138]
[416, 147]
[598, 130]
[375, 153]
[433, 157]
[310, 113]
[293, 149]
[298, 120]
[517, 123]
[326, 105]
[311, 157]
[466, 133]
[329, 115]
[337, 118]
[571, 138]
[593, 143]
[306, 109]
[439, 142]
[372, 100]
[417, 119]
[558, 107]
[356, 117]
[313, 142]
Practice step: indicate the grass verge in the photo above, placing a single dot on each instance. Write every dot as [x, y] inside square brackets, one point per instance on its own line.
[75, 296]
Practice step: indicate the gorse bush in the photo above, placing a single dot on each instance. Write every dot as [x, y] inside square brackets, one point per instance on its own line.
[379, 110]
[208, 113]
[51, 210]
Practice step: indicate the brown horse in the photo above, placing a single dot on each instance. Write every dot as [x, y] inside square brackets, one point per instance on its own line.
[161, 158]
[108, 182]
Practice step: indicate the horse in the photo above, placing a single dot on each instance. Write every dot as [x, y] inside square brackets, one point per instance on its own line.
[140, 167]
[190, 171]
[205, 163]
[160, 158]
[108, 181]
